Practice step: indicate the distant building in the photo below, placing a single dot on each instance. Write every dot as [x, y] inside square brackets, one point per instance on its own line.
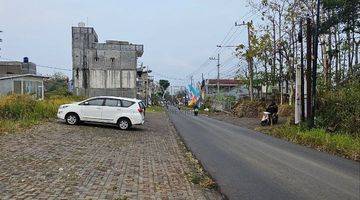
[22, 84]
[144, 83]
[228, 87]
[103, 68]
[20, 78]
[16, 67]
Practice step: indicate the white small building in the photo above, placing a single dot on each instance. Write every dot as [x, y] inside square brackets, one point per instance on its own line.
[22, 84]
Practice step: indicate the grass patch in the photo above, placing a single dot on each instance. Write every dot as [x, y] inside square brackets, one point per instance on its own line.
[154, 109]
[336, 143]
[22, 111]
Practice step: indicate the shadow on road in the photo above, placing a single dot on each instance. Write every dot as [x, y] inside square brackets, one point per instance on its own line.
[106, 126]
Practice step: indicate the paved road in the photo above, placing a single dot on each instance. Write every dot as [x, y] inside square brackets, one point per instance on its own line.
[250, 165]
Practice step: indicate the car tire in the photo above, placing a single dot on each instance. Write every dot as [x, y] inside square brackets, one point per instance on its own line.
[124, 124]
[72, 119]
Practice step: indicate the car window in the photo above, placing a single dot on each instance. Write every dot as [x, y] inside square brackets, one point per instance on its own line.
[95, 102]
[142, 105]
[112, 102]
[126, 103]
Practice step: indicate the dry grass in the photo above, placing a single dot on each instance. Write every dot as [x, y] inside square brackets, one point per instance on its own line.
[22, 111]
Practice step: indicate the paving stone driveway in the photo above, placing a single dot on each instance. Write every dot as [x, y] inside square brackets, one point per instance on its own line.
[57, 161]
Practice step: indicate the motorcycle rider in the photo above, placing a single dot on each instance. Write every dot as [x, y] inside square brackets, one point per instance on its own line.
[196, 109]
[272, 109]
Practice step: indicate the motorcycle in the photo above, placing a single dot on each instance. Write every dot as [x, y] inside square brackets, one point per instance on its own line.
[268, 117]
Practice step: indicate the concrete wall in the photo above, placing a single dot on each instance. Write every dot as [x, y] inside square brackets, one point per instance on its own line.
[29, 85]
[15, 67]
[109, 66]
[237, 91]
[6, 87]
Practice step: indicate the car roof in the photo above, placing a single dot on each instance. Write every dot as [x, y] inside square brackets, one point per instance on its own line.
[114, 97]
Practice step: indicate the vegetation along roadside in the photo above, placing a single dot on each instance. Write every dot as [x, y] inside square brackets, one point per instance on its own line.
[21, 111]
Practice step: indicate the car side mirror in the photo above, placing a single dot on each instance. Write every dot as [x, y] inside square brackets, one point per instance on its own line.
[86, 103]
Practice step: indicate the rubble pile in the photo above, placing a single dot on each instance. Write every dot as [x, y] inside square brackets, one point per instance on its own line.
[286, 110]
[251, 109]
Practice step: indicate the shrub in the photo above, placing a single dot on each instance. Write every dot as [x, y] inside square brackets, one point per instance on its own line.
[339, 110]
[17, 111]
[16, 107]
[286, 110]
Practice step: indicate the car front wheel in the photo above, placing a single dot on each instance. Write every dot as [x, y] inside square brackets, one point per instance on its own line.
[72, 119]
[124, 124]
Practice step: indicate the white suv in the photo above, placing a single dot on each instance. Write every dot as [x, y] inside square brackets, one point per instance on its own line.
[124, 112]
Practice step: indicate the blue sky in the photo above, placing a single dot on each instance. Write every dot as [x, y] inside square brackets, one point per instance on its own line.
[178, 36]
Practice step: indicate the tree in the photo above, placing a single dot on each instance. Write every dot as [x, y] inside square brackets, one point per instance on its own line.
[57, 84]
[164, 84]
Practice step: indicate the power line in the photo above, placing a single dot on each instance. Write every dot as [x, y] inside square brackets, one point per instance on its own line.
[168, 77]
[233, 37]
[223, 42]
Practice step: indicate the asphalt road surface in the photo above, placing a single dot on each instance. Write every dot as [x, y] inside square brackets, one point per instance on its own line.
[250, 165]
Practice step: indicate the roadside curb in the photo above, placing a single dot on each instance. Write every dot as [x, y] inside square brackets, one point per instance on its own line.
[217, 187]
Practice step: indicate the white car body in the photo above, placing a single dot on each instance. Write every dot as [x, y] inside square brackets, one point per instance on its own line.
[109, 111]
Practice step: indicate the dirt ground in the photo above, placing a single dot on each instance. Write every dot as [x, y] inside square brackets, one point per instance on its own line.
[58, 161]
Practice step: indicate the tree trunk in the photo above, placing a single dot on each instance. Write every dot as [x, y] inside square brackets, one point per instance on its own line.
[325, 56]
[357, 54]
[273, 67]
[331, 55]
[308, 67]
[266, 77]
[350, 73]
[281, 64]
[337, 55]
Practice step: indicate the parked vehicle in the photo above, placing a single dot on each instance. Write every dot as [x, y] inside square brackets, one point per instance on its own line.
[124, 112]
[268, 117]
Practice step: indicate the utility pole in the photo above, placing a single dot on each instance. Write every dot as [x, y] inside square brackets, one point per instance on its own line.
[147, 86]
[249, 58]
[314, 72]
[218, 74]
[308, 67]
[251, 61]
[191, 80]
[299, 81]
[218, 71]
[0, 41]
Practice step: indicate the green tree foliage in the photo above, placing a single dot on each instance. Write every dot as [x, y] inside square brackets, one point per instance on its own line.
[345, 12]
[164, 84]
[57, 85]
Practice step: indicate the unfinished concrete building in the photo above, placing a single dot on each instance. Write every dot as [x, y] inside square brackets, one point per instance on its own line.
[103, 68]
[17, 67]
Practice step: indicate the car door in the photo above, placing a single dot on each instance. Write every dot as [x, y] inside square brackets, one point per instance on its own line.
[111, 110]
[91, 110]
